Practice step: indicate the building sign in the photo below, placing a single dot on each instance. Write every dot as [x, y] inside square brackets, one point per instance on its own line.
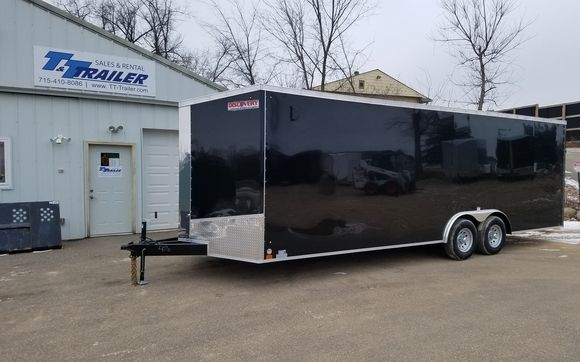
[110, 165]
[243, 105]
[110, 171]
[69, 69]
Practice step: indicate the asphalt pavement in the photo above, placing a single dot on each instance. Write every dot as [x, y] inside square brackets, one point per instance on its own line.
[409, 304]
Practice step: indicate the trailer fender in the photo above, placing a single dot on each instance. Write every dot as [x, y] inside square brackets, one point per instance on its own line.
[477, 217]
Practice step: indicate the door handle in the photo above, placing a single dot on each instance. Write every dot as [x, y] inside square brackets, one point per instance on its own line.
[91, 197]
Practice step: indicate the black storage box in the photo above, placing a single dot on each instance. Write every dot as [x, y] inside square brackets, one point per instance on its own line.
[29, 226]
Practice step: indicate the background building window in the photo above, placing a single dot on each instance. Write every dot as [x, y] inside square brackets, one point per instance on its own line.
[361, 84]
[5, 167]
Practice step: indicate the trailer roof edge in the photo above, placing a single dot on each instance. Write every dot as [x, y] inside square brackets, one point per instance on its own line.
[357, 99]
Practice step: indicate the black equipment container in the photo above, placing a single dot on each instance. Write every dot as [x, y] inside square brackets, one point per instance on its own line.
[29, 226]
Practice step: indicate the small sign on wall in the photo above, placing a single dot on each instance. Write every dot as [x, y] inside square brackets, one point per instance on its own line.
[110, 165]
[243, 105]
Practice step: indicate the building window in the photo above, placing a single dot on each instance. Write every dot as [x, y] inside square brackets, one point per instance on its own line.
[361, 84]
[5, 166]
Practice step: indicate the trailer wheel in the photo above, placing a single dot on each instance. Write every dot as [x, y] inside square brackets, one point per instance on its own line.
[492, 236]
[462, 240]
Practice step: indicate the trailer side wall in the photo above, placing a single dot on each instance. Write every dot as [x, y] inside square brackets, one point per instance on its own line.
[344, 175]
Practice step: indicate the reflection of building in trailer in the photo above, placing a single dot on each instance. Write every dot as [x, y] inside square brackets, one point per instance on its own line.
[464, 158]
[261, 169]
[515, 156]
[340, 166]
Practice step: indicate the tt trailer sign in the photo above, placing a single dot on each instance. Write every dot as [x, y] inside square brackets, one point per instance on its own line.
[70, 69]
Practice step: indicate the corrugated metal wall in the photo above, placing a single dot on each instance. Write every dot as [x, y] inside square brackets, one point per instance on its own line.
[31, 120]
[24, 24]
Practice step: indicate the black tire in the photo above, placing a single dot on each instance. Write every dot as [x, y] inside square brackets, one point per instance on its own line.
[458, 245]
[492, 236]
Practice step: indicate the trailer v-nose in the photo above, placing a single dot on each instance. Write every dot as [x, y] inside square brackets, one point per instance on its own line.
[270, 174]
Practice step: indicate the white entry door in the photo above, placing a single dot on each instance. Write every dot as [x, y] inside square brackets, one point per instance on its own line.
[160, 179]
[110, 190]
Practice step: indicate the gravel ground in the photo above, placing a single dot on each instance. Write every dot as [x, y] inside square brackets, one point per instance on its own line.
[403, 305]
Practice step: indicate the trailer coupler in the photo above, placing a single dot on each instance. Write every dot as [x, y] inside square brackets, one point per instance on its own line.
[149, 247]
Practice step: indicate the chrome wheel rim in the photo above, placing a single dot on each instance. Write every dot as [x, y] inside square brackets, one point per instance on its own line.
[464, 240]
[494, 236]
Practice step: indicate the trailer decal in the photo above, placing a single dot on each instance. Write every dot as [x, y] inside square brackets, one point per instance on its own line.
[243, 105]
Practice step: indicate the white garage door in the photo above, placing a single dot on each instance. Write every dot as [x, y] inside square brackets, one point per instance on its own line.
[160, 179]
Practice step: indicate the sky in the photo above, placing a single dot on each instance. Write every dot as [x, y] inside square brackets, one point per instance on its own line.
[545, 68]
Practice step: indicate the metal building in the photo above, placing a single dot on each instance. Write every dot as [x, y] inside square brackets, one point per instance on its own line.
[569, 112]
[88, 120]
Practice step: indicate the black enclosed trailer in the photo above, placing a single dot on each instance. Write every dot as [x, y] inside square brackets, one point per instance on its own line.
[270, 174]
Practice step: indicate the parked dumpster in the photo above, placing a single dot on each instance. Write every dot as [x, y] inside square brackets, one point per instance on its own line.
[29, 226]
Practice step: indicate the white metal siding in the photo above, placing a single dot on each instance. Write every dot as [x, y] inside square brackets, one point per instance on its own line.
[160, 179]
[23, 25]
[31, 120]
[46, 171]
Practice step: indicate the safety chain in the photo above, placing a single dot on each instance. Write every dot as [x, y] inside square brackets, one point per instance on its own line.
[134, 270]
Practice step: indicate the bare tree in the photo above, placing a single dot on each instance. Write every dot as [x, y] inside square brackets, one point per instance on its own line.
[127, 21]
[209, 64]
[481, 36]
[152, 25]
[122, 18]
[286, 23]
[103, 13]
[333, 18]
[438, 92]
[149, 23]
[79, 8]
[346, 62]
[160, 17]
[312, 32]
[238, 31]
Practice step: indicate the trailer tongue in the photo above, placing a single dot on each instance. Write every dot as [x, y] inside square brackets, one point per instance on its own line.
[149, 247]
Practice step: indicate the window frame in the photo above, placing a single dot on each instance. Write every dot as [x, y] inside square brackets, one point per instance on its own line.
[7, 184]
[361, 84]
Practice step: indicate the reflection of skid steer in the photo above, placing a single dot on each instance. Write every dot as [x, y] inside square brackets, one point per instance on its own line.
[374, 179]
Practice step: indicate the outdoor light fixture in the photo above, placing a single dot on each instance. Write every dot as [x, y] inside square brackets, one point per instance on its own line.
[114, 129]
[58, 139]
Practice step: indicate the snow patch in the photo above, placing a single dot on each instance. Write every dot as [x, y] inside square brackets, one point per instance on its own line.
[571, 182]
[567, 234]
[571, 225]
